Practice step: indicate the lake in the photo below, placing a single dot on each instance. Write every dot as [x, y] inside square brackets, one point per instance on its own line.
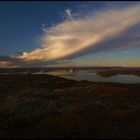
[91, 75]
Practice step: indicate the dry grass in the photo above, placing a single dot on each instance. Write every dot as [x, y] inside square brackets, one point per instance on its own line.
[42, 106]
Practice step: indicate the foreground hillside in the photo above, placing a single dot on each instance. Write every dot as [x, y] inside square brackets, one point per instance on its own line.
[43, 106]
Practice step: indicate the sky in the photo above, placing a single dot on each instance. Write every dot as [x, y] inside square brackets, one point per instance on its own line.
[69, 33]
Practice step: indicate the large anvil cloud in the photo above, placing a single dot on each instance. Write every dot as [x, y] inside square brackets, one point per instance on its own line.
[79, 34]
[109, 29]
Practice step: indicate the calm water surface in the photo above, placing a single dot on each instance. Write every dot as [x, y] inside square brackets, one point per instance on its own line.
[90, 75]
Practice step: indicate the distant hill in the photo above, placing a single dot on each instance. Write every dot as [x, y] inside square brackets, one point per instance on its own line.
[45, 69]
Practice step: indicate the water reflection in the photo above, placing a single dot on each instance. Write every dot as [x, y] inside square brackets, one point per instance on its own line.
[90, 75]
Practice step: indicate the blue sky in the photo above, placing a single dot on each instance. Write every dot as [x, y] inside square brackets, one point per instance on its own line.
[21, 23]
[22, 26]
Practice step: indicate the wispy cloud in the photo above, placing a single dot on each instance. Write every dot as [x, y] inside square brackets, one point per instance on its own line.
[79, 34]
[68, 13]
[109, 29]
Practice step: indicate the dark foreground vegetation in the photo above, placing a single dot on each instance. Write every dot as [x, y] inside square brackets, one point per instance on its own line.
[108, 73]
[43, 106]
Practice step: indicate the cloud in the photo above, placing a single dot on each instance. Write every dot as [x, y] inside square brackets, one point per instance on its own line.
[43, 25]
[76, 36]
[14, 61]
[125, 52]
[5, 64]
[9, 60]
[68, 13]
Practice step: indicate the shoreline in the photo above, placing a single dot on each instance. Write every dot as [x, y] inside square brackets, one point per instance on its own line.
[109, 73]
[69, 79]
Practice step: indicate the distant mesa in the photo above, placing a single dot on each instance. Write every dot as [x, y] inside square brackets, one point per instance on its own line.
[72, 70]
[29, 72]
